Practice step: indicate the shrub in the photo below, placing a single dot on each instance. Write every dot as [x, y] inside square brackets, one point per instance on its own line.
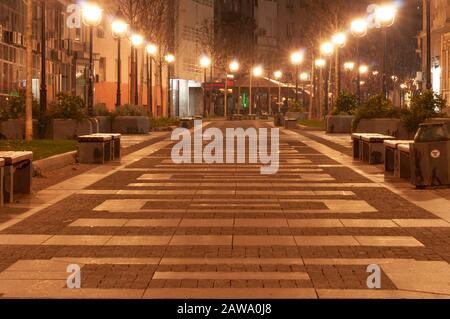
[66, 106]
[14, 107]
[296, 106]
[163, 122]
[376, 106]
[346, 104]
[101, 110]
[423, 106]
[131, 110]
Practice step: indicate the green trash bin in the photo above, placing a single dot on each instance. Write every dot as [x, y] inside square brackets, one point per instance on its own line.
[430, 156]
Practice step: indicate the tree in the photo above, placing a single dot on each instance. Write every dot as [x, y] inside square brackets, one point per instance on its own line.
[29, 73]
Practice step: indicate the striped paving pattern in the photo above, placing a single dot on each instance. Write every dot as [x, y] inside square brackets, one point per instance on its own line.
[153, 229]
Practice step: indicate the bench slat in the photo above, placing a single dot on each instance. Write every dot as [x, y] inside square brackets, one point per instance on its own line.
[12, 158]
[94, 138]
[394, 143]
[405, 148]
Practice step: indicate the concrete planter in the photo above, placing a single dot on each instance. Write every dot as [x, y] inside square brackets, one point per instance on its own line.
[131, 125]
[104, 124]
[15, 129]
[386, 126]
[68, 129]
[339, 124]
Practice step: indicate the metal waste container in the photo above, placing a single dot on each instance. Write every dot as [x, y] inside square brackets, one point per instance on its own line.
[430, 155]
[278, 119]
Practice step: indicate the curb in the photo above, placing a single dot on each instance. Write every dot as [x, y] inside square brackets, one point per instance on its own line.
[54, 162]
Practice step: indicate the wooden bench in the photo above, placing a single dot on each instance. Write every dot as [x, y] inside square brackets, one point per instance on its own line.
[116, 144]
[187, 122]
[404, 161]
[357, 144]
[390, 153]
[18, 174]
[95, 149]
[373, 148]
[290, 123]
[2, 171]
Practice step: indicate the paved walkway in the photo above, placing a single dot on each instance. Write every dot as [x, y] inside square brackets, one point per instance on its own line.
[147, 228]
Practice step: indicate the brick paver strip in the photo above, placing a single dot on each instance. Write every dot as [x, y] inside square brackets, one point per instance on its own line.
[152, 229]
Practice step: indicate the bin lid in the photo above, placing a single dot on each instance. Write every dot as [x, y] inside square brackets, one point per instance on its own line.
[432, 132]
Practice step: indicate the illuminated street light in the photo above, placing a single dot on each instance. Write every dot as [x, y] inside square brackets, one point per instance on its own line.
[278, 75]
[92, 17]
[320, 63]
[119, 30]
[257, 71]
[349, 66]
[327, 48]
[205, 62]
[339, 40]
[137, 40]
[151, 52]
[297, 59]
[385, 17]
[375, 73]
[169, 58]
[363, 69]
[358, 29]
[304, 76]
[234, 66]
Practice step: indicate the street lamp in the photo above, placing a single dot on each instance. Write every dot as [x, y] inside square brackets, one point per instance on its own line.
[327, 50]
[385, 17]
[151, 52]
[232, 67]
[363, 69]
[136, 41]
[257, 73]
[119, 30]
[339, 41]
[349, 66]
[278, 75]
[304, 78]
[320, 63]
[169, 58]
[92, 17]
[359, 29]
[205, 62]
[297, 59]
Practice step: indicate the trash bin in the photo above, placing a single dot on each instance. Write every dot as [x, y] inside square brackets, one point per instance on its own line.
[430, 155]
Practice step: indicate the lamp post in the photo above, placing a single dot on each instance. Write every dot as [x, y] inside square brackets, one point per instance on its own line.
[92, 17]
[151, 52]
[304, 78]
[363, 70]
[43, 88]
[205, 63]
[233, 67]
[257, 73]
[359, 30]
[170, 58]
[327, 50]
[278, 75]
[385, 17]
[119, 29]
[136, 41]
[296, 60]
[320, 64]
[339, 40]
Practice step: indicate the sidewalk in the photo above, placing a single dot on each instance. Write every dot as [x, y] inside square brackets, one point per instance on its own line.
[147, 228]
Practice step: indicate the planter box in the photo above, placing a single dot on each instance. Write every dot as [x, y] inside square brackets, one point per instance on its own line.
[339, 124]
[70, 129]
[15, 129]
[131, 125]
[298, 115]
[104, 124]
[385, 126]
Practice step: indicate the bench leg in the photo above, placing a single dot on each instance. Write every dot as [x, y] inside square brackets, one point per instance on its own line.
[117, 151]
[8, 187]
[91, 153]
[376, 153]
[1, 186]
[108, 151]
[23, 178]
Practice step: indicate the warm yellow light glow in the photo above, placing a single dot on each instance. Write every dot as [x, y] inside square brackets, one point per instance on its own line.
[152, 49]
[359, 27]
[327, 48]
[349, 66]
[137, 40]
[320, 63]
[339, 39]
[363, 69]
[297, 57]
[205, 62]
[403, 86]
[304, 76]
[234, 66]
[170, 58]
[119, 28]
[91, 14]
[278, 74]
[385, 15]
[257, 71]
[375, 73]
